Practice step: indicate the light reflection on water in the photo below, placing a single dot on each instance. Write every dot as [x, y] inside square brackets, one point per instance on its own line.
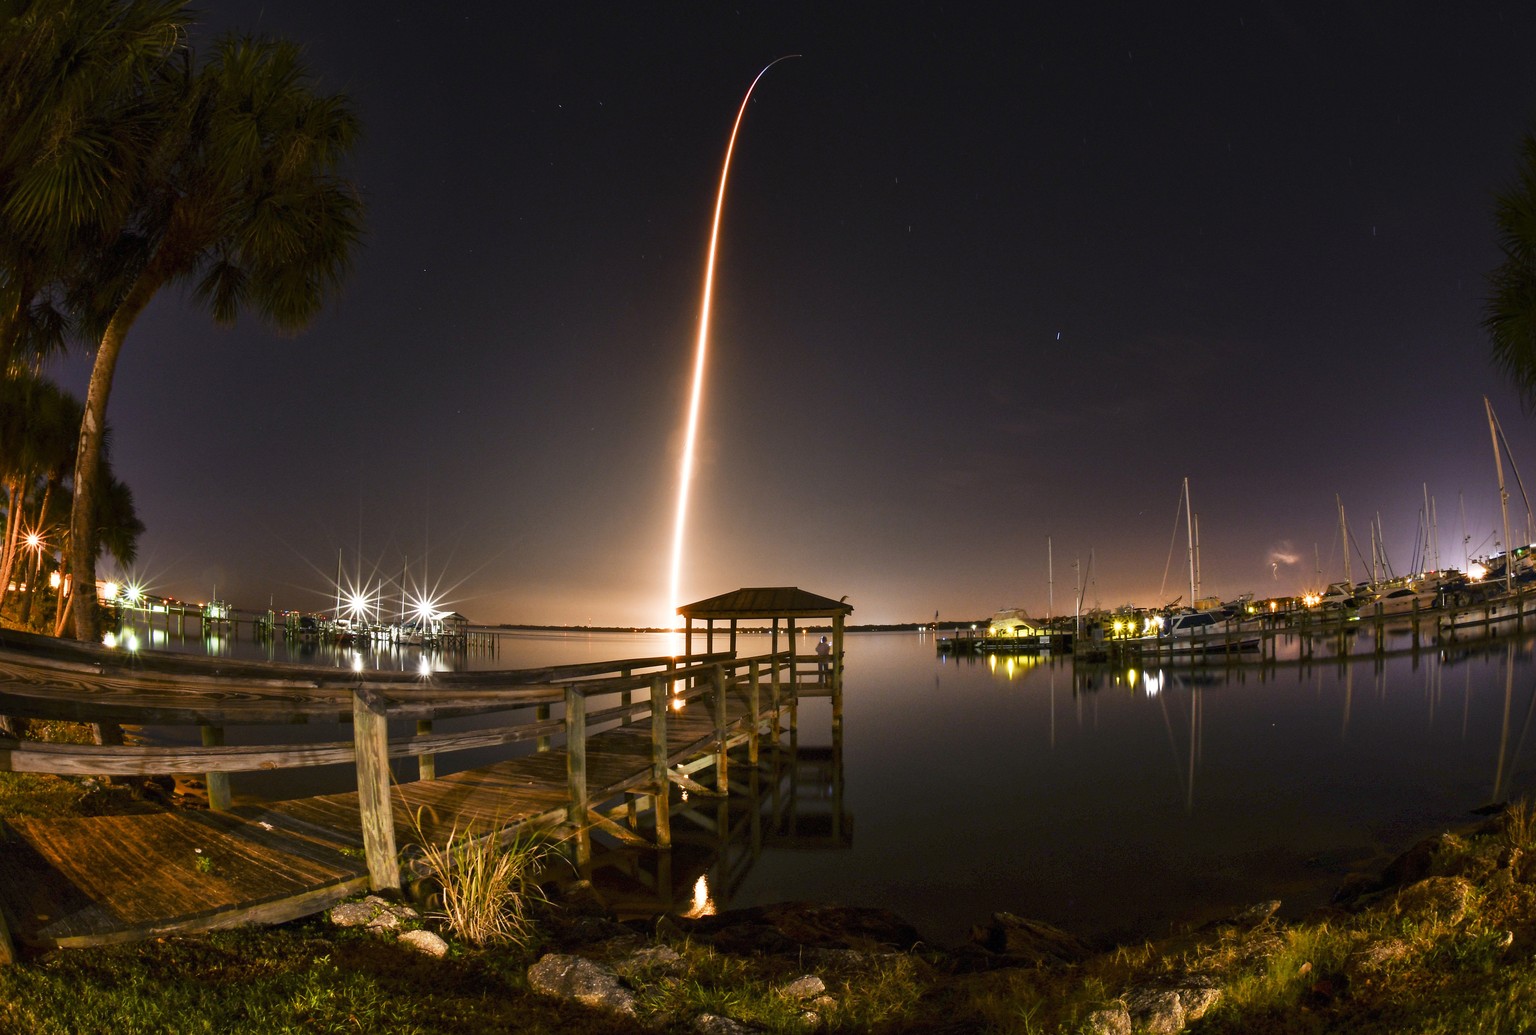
[1113, 802]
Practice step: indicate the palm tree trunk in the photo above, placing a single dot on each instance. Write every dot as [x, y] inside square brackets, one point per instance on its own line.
[14, 491]
[82, 512]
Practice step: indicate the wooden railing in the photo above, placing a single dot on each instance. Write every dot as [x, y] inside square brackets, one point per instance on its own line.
[42, 678]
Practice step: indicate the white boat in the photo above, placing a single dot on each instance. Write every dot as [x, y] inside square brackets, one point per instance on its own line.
[1399, 598]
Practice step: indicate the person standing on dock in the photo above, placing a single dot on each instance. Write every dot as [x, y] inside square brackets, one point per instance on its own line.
[823, 656]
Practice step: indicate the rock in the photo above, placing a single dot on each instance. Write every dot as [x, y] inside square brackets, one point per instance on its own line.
[1111, 1020]
[654, 960]
[1444, 899]
[1375, 957]
[1198, 1000]
[1355, 887]
[714, 1024]
[581, 898]
[588, 983]
[425, 942]
[1031, 940]
[375, 913]
[1412, 865]
[1255, 914]
[1158, 1011]
[808, 986]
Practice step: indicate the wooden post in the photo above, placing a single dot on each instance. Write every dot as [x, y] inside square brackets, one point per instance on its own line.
[370, 744]
[722, 759]
[755, 716]
[426, 762]
[217, 783]
[541, 712]
[837, 671]
[662, 801]
[794, 676]
[576, 771]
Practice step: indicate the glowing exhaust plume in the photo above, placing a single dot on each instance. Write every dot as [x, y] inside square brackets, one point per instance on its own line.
[685, 475]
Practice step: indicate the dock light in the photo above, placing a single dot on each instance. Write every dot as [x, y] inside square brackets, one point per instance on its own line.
[34, 541]
[703, 904]
[1477, 571]
[1119, 627]
[678, 704]
[109, 640]
[357, 662]
[109, 591]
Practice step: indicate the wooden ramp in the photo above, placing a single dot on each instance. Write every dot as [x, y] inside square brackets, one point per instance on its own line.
[91, 881]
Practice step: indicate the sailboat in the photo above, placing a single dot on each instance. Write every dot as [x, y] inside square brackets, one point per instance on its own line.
[1199, 629]
[1496, 594]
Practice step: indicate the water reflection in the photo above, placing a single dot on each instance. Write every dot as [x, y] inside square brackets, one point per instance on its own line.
[792, 801]
[1113, 801]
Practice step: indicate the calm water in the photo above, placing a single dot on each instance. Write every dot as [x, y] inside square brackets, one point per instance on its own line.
[1109, 802]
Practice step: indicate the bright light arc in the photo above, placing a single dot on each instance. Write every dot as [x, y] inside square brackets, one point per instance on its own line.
[685, 474]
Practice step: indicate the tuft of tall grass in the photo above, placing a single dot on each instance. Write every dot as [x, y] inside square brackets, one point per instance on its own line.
[487, 883]
[1520, 826]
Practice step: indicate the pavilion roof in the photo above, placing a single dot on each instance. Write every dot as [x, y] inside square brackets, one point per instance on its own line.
[766, 602]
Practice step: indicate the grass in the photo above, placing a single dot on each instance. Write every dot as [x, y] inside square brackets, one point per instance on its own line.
[484, 886]
[1453, 952]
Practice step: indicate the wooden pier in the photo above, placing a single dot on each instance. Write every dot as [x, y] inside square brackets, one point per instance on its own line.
[603, 744]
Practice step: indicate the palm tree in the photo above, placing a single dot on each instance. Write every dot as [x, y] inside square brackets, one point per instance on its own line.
[1510, 311]
[246, 205]
[81, 91]
[39, 427]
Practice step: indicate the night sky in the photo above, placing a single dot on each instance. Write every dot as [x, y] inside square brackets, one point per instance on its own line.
[984, 278]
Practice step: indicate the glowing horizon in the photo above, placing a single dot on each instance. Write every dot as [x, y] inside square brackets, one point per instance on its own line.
[685, 472]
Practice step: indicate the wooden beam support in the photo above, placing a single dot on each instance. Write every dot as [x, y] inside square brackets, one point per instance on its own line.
[618, 830]
[661, 787]
[370, 739]
[217, 784]
[426, 762]
[576, 771]
[722, 749]
[692, 786]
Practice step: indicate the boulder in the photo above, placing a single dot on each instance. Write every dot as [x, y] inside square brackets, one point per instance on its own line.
[1158, 1011]
[424, 942]
[714, 1024]
[651, 961]
[1110, 1020]
[1029, 941]
[1444, 899]
[375, 913]
[808, 986]
[581, 980]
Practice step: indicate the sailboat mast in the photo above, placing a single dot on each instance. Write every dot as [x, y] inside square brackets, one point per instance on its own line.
[1344, 536]
[1498, 463]
[338, 582]
[1050, 579]
[1424, 564]
[1189, 528]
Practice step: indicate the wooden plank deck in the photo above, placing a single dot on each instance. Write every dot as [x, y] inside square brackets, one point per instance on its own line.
[122, 878]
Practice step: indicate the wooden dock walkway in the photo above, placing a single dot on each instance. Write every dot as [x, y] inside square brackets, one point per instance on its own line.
[604, 743]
